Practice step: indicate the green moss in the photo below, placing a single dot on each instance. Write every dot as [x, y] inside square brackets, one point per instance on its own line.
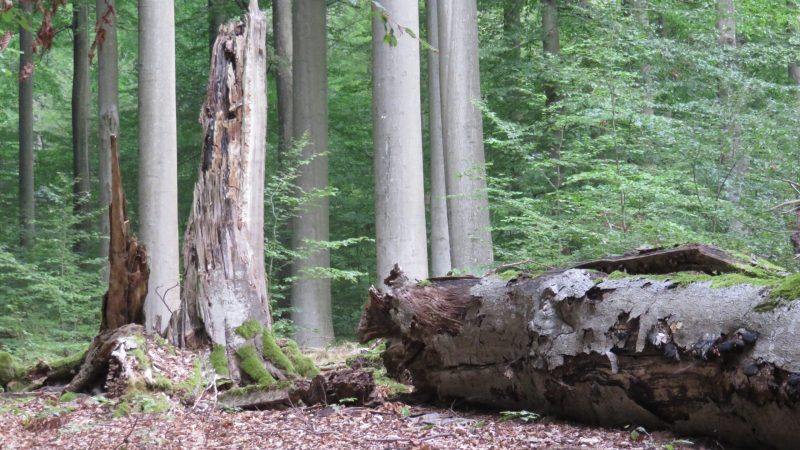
[8, 368]
[219, 361]
[424, 283]
[249, 329]
[137, 401]
[272, 352]
[246, 390]
[304, 366]
[509, 275]
[382, 379]
[163, 383]
[724, 280]
[68, 397]
[785, 290]
[141, 358]
[251, 365]
[69, 362]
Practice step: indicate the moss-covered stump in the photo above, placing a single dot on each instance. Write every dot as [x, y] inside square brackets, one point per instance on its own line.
[8, 369]
[701, 356]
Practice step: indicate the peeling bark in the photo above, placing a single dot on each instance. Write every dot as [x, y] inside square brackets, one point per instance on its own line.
[694, 358]
[224, 282]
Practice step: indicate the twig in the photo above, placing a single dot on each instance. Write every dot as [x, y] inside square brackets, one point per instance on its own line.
[125, 439]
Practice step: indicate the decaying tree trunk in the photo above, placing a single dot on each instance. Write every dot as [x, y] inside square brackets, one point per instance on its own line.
[576, 343]
[224, 283]
[123, 303]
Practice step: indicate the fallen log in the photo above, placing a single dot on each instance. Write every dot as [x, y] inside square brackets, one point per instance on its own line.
[700, 356]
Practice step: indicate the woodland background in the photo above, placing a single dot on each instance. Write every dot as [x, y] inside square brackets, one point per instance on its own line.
[647, 157]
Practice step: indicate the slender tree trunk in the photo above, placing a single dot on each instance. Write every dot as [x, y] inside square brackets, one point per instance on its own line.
[108, 101]
[512, 28]
[81, 96]
[26, 201]
[638, 10]
[311, 293]
[440, 236]
[794, 76]
[731, 153]
[224, 280]
[158, 183]
[397, 142]
[462, 127]
[216, 18]
[282, 35]
[552, 47]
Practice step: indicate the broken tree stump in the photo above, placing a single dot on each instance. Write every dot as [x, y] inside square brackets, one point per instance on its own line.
[694, 356]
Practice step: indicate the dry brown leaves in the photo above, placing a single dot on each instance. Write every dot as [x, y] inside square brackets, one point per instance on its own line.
[31, 423]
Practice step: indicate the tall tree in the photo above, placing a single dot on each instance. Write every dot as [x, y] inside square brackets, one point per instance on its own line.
[81, 96]
[440, 235]
[26, 201]
[552, 47]
[158, 174]
[794, 29]
[108, 105]
[311, 292]
[638, 10]
[731, 153]
[462, 126]
[216, 18]
[224, 280]
[397, 140]
[282, 37]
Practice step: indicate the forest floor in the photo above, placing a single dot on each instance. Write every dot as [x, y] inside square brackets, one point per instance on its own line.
[46, 419]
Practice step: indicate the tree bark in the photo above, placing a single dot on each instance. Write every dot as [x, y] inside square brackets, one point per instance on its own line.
[397, 140]
[26, 186]
[123, 303]
[440, 235]
[81, 96]
[311, 293]
[552, 48]
[462, 127]
[108, 107]
[579, 345]
[282, 35]
[158, 173]
[224, 281]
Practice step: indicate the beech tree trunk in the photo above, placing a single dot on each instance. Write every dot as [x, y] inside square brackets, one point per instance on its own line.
[440, 236]
[108, 107]
[282, 38]
[577, 344]
[397, 140]
[158, 159]
[26, 186]
[311, 293]
[81, 96]
[462, 128]
[552, 48]
[224, 281]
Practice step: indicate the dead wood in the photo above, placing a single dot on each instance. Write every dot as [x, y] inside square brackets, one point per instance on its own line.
[574, 344]
[123, 303]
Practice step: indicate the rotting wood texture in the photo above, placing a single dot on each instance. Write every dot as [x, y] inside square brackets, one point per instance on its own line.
[224, 282]
[123, 303]
[693, 358]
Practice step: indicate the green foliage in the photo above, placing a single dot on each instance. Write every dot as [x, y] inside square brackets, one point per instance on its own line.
[272, 352]
[68, 397]
[219, 360]
[251, 364]
[142, 402]
[524, 416]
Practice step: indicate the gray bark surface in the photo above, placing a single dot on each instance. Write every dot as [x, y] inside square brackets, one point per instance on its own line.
[462, 128]
[397, 142]
[25, 105]
[158, 168]
[311, 294]
[440, 235]
[552, 47]
[693, 358]
[108, 107]
[282, 36]
[224, 280]
[81, 97]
